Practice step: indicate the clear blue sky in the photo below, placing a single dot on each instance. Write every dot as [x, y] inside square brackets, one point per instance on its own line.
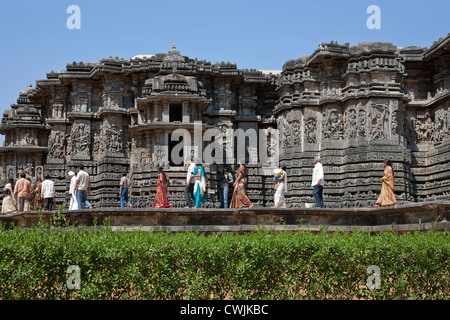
[254, 34]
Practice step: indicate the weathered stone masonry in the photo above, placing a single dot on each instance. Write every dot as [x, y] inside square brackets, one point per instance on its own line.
[354, 106]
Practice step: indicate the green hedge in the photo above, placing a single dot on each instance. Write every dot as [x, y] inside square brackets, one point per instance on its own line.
[259, 265]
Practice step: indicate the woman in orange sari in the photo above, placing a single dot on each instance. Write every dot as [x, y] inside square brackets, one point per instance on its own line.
[161, 200]
[239, 198]
[387, 196]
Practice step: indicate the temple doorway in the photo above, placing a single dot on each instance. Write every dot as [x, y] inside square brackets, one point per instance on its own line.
[178, 156]
[175, 112]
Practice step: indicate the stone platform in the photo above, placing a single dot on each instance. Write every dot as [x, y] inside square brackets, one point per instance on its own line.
[421, 216]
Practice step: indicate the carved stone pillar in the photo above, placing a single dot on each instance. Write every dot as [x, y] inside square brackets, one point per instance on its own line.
[149, 136]
[3, 167]
[185, 108]
[165, 112]
[148, 115]
[193, 111]
[156, 110]
[199, 112]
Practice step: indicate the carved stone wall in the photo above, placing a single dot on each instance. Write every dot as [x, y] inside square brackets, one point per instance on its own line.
[354, 108]
[353, 105]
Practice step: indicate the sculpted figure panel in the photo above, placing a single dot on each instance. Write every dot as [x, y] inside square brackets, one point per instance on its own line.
[379, 122]
[332, 125]
[351, 123]
[80, 138]
[361, 127]
[440, 130]
[310, 130]
[56, 143]
[424, 127]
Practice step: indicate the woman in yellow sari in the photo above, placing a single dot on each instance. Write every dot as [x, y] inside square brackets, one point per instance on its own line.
[239, 198]
[387, 196]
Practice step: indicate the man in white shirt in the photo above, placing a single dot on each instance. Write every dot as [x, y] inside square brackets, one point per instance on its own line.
[190, 181]
[48, 193]
[73, 198]
[82, 188]
[318, 182]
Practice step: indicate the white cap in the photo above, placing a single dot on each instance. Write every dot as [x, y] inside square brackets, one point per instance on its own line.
[71, 173]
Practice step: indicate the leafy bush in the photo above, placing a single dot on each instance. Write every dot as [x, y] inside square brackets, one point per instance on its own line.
[263, 264]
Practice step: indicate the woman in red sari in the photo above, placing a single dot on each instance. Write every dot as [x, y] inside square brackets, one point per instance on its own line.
[161, 200]
[239, 198]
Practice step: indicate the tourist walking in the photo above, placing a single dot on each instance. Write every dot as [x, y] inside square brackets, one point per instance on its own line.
[73, 204]
[82, 188]
[123, 190]
[387, 196]
[225, 179]
[190, 181]
[280, 187]
[22, 192]
[48, 193]
[318, 182]
[161, 198]
[7, 202]
[239, 198]
[199, 185]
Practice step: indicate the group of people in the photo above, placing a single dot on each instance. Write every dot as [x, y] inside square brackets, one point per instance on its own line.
[195, 189]
[80, 187]
[24, 195]
[386, 197]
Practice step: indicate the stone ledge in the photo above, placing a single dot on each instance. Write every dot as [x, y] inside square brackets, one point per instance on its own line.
[403, 217]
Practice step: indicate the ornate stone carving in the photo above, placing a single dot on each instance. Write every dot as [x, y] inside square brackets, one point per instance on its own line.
[424, 127]
[57, 106]
[39, 172]
[161, 155]
[56, 143]
[222, 96]
[29, 138]
[351, 123]
[80, 139]
[441, 129]
[361, 126]
[81, 99]
[112, 95]
[310, 130]
[333, 125]
[247, 102]
[379, 122]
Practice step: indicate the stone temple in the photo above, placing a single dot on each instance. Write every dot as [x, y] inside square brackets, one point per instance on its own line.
[353, 105]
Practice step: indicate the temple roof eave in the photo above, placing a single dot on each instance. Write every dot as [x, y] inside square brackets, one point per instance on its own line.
[438, 45]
